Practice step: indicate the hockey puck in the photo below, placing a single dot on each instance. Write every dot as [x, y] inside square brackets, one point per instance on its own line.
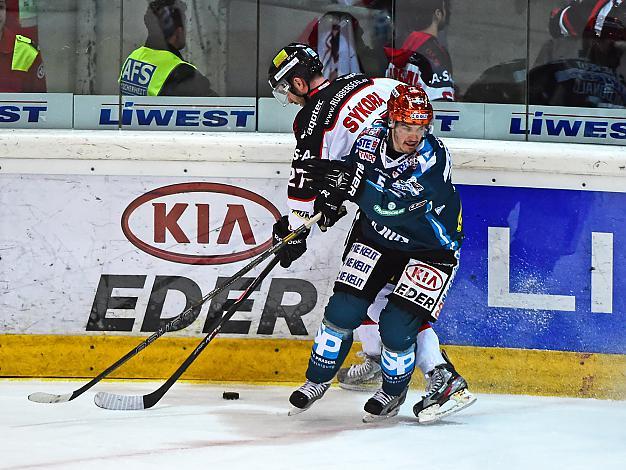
[230, 396]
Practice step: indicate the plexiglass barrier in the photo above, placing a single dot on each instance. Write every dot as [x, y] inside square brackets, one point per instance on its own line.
[544, 70]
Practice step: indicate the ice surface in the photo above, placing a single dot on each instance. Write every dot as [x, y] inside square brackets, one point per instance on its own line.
[193, 427]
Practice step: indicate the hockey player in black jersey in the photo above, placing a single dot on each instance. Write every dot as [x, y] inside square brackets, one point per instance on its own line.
[332, 116]
[409, 233]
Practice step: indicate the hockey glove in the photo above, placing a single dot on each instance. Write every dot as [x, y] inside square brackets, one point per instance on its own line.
[330, 207]
[293, 249]
[339, 180]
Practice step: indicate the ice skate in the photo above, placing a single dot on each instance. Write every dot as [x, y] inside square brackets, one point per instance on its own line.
[365, 376]
[306, 395]
[382, 406]
[446, 393]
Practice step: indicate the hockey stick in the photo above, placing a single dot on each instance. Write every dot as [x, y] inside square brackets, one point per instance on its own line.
[112, 401]
[43, 397]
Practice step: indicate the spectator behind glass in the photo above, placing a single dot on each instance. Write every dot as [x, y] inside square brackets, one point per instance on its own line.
[338, 38]
[22, 18]
[423, 60]
[21, 66]
[592, 78]
[333, 36]
[158, 68]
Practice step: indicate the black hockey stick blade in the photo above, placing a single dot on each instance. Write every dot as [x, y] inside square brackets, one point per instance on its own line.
[112, 401]
[173, 324]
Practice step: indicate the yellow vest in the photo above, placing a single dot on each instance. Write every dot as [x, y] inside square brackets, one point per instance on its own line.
[24, 53]
[146, 70]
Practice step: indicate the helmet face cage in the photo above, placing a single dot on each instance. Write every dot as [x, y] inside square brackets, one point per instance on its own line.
[294, 59]
[280, 92]
[410, 104]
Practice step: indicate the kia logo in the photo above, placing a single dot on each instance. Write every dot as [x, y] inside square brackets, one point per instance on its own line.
[424, 276]
[200, 223]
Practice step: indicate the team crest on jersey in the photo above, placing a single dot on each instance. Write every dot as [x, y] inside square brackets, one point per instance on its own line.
[410, 186]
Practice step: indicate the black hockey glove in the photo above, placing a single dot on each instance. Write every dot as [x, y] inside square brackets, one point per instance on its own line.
[294, 249]
[330, 207]
[339, 180]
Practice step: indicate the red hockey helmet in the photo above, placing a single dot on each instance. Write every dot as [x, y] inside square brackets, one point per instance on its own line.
[410, 104]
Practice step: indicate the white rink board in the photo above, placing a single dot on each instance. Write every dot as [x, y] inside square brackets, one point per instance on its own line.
[63, 195]
[61, 233]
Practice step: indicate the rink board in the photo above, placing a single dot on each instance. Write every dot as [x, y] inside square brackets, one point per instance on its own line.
[97, 253]
[540, 268]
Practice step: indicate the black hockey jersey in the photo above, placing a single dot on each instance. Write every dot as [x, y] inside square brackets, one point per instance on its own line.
[327, 127]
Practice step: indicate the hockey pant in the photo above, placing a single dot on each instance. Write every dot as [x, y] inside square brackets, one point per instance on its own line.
[428, 352]
[442, 263]
[333, 340]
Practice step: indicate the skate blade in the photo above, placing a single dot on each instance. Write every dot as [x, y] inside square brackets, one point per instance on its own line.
[370, 418]
[296, 411]
[458, 401]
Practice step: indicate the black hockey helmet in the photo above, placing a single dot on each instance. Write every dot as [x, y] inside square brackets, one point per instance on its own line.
[293, 60]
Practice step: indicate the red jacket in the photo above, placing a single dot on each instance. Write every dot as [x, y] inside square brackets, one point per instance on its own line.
[423, 61]
[15, 81]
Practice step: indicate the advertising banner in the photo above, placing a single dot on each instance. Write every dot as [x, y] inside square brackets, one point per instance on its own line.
[540, 268]
[36, 110]
[452, 119]
[122, 254]
[462, 120]
[165, 113]
[555, 124]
